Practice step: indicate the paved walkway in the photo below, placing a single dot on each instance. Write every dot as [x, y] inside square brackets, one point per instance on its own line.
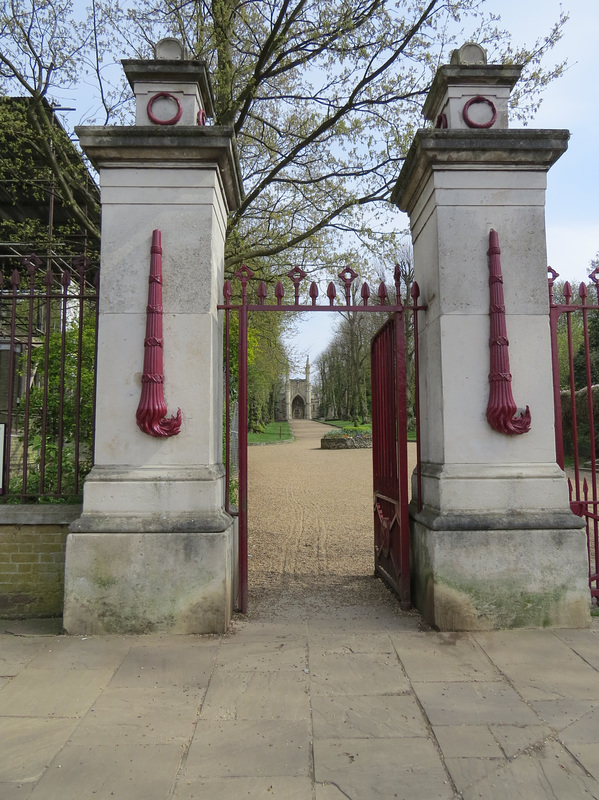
[314, 697]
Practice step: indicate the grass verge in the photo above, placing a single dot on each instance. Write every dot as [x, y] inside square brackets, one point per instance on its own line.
[273, 432]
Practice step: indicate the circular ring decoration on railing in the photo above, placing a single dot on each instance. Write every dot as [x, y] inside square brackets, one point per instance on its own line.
[475, 100]
[168, 96]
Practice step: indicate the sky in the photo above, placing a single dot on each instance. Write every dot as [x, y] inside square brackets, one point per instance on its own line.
[572, 102]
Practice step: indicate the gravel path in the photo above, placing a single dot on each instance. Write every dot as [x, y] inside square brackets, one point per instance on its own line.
[310, 531]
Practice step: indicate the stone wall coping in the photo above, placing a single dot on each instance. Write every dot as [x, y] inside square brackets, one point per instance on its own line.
[161, 474]
[510, 521]
[204, 523]
[436, 148]
[39, 514]
[190, 145]
[171, 70]
[468, 75]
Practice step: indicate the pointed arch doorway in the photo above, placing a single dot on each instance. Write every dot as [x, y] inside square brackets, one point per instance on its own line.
[298, 407]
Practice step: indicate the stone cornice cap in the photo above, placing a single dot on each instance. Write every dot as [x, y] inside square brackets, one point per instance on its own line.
[154, 147]
[173, 71]
[483, 75]
[507, 148]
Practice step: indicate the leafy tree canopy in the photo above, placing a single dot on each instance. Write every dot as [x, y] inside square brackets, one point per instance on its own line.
[324, 96]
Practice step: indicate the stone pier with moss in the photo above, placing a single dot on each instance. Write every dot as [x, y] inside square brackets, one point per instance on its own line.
[154, 548]
[494, 543]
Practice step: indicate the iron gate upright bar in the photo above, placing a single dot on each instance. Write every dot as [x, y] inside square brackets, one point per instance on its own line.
[580, 502]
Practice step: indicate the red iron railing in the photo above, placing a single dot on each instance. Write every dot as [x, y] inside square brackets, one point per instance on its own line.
[576, 390]
[243, 306]
[48, 319]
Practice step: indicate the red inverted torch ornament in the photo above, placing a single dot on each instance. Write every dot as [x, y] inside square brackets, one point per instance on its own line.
[151, 412]
[501, 410]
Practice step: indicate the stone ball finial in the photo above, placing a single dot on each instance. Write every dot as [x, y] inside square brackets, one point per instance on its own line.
[169, 48]
[469, 53]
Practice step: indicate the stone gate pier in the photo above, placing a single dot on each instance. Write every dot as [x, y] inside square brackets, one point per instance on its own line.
[154, 549]
[494, 543]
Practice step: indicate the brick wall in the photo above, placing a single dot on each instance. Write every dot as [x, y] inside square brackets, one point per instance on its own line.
[32, 547]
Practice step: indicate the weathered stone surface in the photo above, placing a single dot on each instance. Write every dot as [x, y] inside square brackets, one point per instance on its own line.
[165, 662]
[463, 659]
[153, 549]
[460, 703]
[149, 582]
[371, 716]
[490, 579]
[134, 772]
[140, 716]
[257, 695]
[558, 672]
[545, 771]
[249, 748]
[50, 693]
[356, 673]
[250, 788]
[367, 768]
[28, 745]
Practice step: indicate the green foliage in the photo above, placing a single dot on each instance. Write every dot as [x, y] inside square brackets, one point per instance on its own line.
[324, 96]
[580, 368]
[52, 437]
[37, 207]
[344, 367]
[349, 431]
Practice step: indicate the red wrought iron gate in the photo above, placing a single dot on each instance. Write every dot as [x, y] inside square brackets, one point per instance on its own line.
[574, 321]
[390, 473]
[390, 458]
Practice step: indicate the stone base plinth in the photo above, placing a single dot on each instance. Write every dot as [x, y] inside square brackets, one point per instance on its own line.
[495, 578]
[144, 582]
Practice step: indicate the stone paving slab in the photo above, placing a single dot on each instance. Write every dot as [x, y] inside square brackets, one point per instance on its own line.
[474, 703]
[28, 746]
[139, 716]
[52, 693]
[305, 714]
[364, 769]
[289, 653]
[545, 771]
[463, 659]
[583, 643]
[559, 714]
[119, 771]
[348, 643]
[249, 749]
[187, 663]
[80, 653]
[354, 673]
[541, 666]
[514, 739]
[16, 653]
[257, 695]
[247, 788]
[367, 717]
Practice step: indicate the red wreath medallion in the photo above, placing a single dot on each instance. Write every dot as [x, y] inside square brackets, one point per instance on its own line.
[167, 96]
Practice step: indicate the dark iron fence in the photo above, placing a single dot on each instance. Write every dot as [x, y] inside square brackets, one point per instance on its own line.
[574, 317]
[48, 321]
